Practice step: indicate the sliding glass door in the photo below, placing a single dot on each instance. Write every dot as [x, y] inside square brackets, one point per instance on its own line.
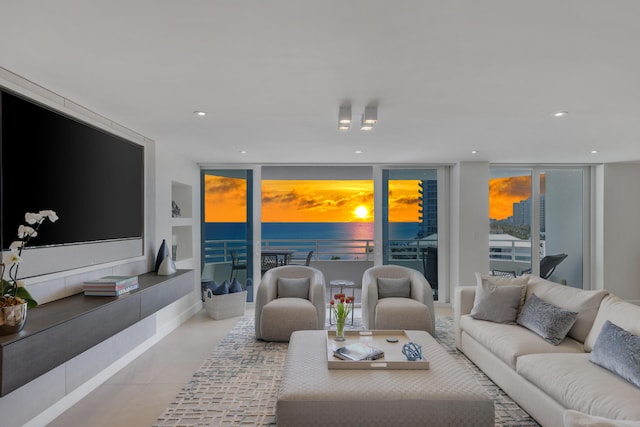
[227, 232]
[410, 221]
[541, 208]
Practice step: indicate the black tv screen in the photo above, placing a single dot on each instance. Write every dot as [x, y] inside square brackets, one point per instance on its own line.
[93, 179]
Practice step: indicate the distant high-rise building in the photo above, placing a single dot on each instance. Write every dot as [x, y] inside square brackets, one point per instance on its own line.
[522, 212]
[428, 208]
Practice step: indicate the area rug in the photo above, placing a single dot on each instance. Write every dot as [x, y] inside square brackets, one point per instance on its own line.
[238, 383]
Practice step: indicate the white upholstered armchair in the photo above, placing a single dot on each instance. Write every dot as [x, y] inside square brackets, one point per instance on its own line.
[290, 298]
[397, 297]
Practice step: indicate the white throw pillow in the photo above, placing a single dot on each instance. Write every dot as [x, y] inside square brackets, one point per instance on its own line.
[503, 281]
[497, 304]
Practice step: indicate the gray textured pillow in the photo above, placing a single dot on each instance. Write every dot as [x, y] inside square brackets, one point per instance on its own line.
[496, 303]
[550, 322]
[394, 287]
[293, 288]
[618, 350]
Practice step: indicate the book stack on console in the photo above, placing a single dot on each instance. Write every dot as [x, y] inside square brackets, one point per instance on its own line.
[110, 286]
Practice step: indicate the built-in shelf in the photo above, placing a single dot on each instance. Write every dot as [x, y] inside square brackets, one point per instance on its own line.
[182, 225]
[60, 330]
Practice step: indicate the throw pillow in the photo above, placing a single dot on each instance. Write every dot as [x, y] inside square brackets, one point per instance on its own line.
[394, 287]
[618, 350]
[503, 281]
[293, 287]
[495, 303]
[221, 289]
[550, 322]
[235, 286]
[572, 418]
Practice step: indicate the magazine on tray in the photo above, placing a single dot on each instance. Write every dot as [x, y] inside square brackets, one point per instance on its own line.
[358, 351]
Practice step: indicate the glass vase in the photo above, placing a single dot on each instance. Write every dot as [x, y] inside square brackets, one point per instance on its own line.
[340, 330]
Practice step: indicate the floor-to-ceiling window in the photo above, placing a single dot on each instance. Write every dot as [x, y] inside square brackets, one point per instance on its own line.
[227, 236]
[410, 220]
[539, 208]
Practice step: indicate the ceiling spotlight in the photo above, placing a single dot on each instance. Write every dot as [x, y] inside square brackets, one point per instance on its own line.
[200, 113]
[370, 115]
[365, 125]
[594, 151]
[344, 117]
[560, 114]
[358, 152]
[474, 151]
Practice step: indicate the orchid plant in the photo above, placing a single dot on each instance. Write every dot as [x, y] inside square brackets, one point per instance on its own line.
[13, 290]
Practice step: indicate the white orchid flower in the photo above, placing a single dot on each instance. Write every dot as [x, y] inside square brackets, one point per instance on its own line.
[16, 246]
[20, 283]
[53, 217]
[26, 231]
[14, 258]
[31, 218]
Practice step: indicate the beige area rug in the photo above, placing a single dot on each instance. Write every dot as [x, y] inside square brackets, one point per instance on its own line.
[237, 385]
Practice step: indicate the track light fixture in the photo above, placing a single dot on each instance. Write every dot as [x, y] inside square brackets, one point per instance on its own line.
[369, 118]
[344, 117]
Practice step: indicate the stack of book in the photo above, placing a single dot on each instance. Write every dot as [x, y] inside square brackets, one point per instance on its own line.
[110, 286]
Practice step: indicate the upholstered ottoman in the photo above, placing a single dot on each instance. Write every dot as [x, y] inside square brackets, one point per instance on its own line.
[300, 314]
[311, 394]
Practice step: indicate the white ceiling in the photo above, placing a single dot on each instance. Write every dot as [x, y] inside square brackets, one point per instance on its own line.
[449, 76]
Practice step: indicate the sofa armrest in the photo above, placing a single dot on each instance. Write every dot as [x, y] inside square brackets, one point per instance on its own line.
[462, 304]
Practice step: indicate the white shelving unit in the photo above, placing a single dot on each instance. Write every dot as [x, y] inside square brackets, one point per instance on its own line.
[182, 222]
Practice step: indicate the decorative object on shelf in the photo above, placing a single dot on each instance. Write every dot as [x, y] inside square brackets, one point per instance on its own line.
[175, 209]
[15, 298]
[341, 306]
[167, 267]
[163, 252]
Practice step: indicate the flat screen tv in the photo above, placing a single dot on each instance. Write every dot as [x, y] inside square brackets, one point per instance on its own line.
[93, 179]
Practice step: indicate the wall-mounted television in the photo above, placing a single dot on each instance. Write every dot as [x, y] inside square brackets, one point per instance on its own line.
[92, 178]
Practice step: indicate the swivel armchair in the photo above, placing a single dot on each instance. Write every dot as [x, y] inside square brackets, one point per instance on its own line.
[397, 297]
[289, 298]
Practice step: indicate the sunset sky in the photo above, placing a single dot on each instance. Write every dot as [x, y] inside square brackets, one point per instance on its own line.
[340, 201]
[308, 201]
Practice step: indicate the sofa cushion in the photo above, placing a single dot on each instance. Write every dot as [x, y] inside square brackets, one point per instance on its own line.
[510, 341]
[622, 313]
[547, 320]
[618, 350]
[389, 287]
[572, 418]
[503, 281]
[289, 287]
[497, 303]
[585, 303]
[576, 383]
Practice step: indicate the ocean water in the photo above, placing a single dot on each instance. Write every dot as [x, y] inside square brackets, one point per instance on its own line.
[310, 230]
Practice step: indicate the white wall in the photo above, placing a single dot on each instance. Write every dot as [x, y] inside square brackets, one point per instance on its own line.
[41, 400]
[616, 267]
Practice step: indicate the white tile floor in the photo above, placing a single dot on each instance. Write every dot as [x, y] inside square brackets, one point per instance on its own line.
[140, 392]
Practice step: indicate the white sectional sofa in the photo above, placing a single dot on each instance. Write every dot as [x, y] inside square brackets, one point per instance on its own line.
[556, 384]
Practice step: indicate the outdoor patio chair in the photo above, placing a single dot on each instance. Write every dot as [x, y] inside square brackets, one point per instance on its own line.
[397, 297]
[235, 264]
[303, 261]
[548, 265]
[289, 298]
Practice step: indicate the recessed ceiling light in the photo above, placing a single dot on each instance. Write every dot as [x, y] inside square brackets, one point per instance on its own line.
[560, 113]
[474, 152]
[200, 113]
[358, 152]
[242, 151]
[594, 151]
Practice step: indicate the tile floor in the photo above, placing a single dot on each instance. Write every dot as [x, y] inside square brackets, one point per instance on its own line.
[141, 391]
